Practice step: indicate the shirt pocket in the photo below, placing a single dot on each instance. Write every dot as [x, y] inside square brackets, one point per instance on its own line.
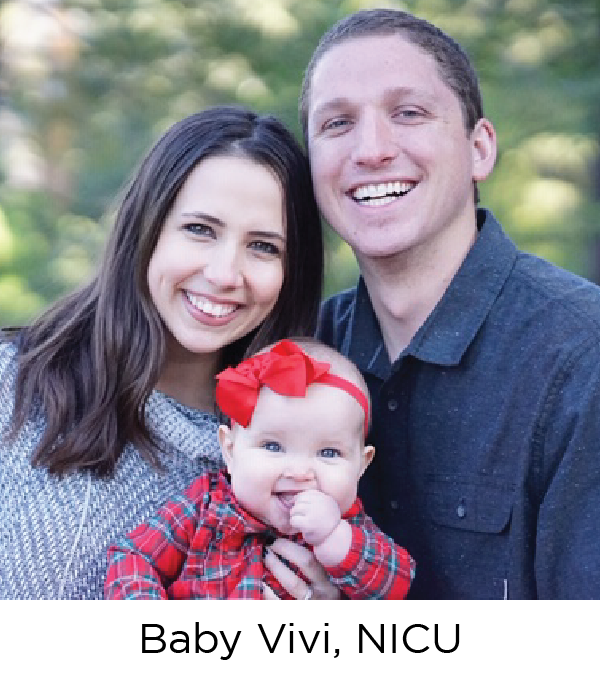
[470, 518]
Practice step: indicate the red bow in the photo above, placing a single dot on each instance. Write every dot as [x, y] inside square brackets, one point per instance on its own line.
[285, 369]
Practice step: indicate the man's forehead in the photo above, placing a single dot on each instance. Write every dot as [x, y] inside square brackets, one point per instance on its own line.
[364, 61]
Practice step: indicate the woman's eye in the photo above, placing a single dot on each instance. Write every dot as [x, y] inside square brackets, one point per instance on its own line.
[273, 446]
[330, 453]
[199, 229]
[266, 247]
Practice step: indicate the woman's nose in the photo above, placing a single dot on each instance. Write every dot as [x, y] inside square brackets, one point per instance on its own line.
[224, 268]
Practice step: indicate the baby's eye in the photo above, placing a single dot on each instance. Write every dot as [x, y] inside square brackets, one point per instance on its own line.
[330, 453]
[273, 446]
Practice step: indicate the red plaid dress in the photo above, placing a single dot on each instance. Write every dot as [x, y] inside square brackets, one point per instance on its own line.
[204, 545]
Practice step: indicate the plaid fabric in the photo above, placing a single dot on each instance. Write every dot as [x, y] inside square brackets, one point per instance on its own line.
[204, 545]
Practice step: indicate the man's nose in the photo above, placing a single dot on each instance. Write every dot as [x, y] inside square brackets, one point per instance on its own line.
[375, 141]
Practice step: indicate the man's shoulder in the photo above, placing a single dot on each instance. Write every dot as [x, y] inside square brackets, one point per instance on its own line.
[335, 317]
[554, 293]
[341, 301]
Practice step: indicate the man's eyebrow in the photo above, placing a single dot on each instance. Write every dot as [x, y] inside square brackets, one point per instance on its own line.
[340, 102]
[332, 104]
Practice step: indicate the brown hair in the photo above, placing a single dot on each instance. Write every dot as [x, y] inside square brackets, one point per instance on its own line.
[92, 359]
[454, 65]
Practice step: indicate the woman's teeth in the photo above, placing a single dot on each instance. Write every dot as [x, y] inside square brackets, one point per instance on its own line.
[211, 308]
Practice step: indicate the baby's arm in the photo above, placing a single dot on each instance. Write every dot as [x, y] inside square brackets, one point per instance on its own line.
[360, 559]
[145, 563]
[376, 568]
[318, 517]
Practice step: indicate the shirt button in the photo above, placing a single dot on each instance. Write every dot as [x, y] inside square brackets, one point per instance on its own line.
[392, 405]
[461, 511]
[394, 504]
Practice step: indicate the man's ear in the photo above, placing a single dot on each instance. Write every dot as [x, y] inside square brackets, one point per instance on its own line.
[226, 442]
[367, 458]
[483, 138]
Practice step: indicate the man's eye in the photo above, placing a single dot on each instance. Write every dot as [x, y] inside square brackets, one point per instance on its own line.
[330, 453]
[409, 114]
[273, 446]
[336, 124]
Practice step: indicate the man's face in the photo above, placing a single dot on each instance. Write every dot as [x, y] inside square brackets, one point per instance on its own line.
[392, 163]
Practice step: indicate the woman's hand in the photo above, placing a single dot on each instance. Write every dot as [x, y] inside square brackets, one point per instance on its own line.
[320, 587]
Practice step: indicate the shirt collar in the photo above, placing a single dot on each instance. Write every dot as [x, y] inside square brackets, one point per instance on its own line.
[455, 321]
[234, 519]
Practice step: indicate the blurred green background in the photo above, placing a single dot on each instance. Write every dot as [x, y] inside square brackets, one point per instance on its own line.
[86, 87]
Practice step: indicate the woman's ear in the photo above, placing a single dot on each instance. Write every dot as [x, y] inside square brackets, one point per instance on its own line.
[226, 442]
[367, 458]
[483, 138]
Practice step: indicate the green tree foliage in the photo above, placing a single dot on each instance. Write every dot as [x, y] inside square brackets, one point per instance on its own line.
[86, 87]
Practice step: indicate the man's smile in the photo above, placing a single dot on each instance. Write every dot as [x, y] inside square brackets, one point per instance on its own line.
[380, 194]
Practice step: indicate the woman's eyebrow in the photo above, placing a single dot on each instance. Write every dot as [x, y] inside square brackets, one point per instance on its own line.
[200, 215]
[213, 220]
[267, 235]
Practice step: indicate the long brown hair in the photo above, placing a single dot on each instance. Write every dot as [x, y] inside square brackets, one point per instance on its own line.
[90, 362]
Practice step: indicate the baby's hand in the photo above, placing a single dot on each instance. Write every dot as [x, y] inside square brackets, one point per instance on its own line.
[316, 515]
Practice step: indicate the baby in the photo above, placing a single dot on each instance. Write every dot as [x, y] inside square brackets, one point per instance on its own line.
[294, 453]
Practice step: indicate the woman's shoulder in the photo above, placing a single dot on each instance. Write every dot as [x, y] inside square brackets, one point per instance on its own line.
[8, 352]
[8, 371]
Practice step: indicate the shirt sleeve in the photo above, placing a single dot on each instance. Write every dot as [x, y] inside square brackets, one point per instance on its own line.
[144, 564]
[566, 551]
[375, 568]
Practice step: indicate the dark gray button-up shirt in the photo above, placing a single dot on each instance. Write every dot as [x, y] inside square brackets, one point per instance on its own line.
[487, 427]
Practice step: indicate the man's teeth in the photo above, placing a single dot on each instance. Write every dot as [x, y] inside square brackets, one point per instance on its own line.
[211, 308]
[379, 194]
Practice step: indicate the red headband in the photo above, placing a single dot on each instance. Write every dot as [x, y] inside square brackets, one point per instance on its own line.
[285, 369]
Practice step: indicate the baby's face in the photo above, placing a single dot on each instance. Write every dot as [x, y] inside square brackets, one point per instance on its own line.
[296, 444]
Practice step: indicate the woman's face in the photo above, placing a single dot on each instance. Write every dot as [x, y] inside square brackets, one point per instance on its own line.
[217, 268]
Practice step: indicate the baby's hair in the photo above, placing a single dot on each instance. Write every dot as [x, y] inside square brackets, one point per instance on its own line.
[340, 364]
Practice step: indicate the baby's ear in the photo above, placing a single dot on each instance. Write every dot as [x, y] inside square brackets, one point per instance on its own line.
[226, 443]
[367, 457]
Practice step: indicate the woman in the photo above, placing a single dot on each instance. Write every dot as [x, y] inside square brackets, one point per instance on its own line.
[107, 399]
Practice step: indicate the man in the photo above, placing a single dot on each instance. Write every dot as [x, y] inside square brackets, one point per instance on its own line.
[483, 362]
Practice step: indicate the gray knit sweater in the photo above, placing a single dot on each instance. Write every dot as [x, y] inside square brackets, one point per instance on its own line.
[54, 533]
